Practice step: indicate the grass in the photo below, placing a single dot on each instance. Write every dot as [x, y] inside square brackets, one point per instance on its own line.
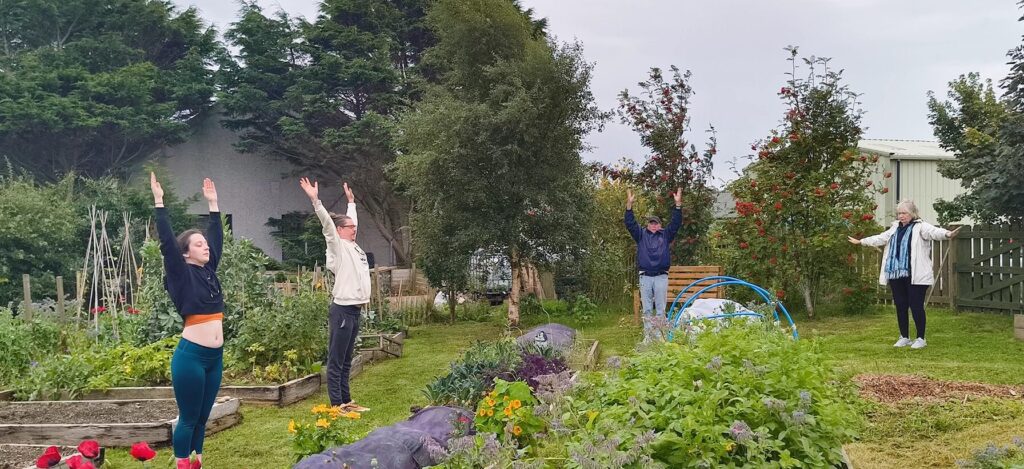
[961, 346]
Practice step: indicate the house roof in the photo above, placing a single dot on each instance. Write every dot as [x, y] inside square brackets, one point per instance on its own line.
[906, 149]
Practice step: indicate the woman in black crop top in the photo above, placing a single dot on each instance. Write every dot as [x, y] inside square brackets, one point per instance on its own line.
[190, 268]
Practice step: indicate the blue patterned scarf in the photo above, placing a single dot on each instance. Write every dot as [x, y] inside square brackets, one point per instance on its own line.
[898, 264]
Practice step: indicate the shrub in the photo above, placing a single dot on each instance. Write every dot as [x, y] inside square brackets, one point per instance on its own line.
[535, 365]
[24, 343]
[283, 340]
[744, 395]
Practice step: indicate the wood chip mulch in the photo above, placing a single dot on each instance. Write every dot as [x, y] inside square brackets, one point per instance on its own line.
[895, 388]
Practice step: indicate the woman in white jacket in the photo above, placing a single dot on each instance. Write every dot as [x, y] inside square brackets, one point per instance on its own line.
[907, 267]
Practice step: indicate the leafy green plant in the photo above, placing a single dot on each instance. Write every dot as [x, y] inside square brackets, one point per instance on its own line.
[508, 409]
[746, 394]
[330, 427]
[282, 340]
[582, 308]
[24, 343]
[469, 378]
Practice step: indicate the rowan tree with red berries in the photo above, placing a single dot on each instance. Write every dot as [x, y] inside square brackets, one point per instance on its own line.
[660, 115]
[805, 191]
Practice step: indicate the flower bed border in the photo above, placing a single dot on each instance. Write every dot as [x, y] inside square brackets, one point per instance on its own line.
[224, 415]
[277, 394]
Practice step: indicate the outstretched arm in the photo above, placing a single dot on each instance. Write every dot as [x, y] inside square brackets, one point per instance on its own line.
[215, 231]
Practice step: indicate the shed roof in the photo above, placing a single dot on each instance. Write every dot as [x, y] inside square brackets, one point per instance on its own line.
[906, 149]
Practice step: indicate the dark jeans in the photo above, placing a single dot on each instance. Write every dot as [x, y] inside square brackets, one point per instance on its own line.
[341, 343]
[908, 296]
[195, 375]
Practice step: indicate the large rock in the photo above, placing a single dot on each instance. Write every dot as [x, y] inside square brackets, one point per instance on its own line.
[553, 335]
[404, 445]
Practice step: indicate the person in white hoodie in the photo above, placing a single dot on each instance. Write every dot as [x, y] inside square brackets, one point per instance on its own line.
[351, 290]
[907, 267]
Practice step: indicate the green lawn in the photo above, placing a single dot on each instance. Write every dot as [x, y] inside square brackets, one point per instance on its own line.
[961, 347]
[964, 346]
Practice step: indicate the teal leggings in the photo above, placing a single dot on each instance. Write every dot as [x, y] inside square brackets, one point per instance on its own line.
[195, 375]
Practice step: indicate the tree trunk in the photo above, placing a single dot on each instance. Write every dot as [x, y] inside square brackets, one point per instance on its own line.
[805, 288]
[513, 294]
[451, 303]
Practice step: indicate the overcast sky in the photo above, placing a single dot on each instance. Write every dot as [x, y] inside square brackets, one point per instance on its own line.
[892, 51]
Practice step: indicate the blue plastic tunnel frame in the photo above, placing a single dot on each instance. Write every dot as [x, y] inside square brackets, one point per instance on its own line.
[722, 281]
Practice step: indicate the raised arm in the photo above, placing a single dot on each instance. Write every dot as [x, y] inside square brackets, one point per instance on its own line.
[629, 218]
[350, 211]
[174, 263]
[677, 215]
[330, 232]
[215, 231]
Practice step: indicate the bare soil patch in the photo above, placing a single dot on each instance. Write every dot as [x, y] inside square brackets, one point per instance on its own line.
[895, 388]
[20, 457]
[85, 412]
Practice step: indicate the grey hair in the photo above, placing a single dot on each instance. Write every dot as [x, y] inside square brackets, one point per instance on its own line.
[339, 219]
[908, 206]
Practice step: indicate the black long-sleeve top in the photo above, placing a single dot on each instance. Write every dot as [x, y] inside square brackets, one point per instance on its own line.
[193, 289]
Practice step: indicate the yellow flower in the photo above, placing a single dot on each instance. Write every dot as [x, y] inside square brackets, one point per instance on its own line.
[320, 409]
[730, 446]
[516, 404]
[490, 412]
[354, 415]
[322, 423]
[482, 412]
[291, 426]
[490, 402]
[494, 394]
[516, 430]
[508, 411]
[505, 398]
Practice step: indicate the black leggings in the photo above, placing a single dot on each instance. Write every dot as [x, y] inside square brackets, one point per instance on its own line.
[344, 332]
[908, 296]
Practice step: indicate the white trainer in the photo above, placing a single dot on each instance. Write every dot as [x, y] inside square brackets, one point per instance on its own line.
[918, 343]
[903, 342]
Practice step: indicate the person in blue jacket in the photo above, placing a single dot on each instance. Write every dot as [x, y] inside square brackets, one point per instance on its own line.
[653, 256]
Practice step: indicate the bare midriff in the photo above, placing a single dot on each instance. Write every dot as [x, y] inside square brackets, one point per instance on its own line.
[204, 329]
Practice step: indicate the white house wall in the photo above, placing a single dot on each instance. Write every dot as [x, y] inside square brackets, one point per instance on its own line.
[253, 188]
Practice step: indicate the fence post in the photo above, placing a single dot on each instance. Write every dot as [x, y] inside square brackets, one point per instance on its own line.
[26, 284]
[952, 277]
[60, 299]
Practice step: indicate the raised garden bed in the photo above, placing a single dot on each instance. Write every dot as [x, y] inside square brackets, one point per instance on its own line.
[111, 422]
[384, 346]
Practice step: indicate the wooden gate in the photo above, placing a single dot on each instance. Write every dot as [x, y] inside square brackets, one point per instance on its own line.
[989, 268]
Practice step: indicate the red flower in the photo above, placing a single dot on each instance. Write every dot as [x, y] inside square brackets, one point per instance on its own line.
[51, 457]
[888, 174]
[753, 256]
[818, 192]
[74, 462]
[794, 137]
[790, 175]
[98, 309]
[885, 190]
[744, 245]
[664, 177]
[763, 154]
[867, 216]
[89, 449]
[870, 183]
[773, 261]
[776, 140]
[780, 294]
[142, 452]
[863, 158]
[847, 215]
[753, 183]
[131, 310]
[834, 186]
[87, 465]
[847, 291]
[778, 205]
[758, 222]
